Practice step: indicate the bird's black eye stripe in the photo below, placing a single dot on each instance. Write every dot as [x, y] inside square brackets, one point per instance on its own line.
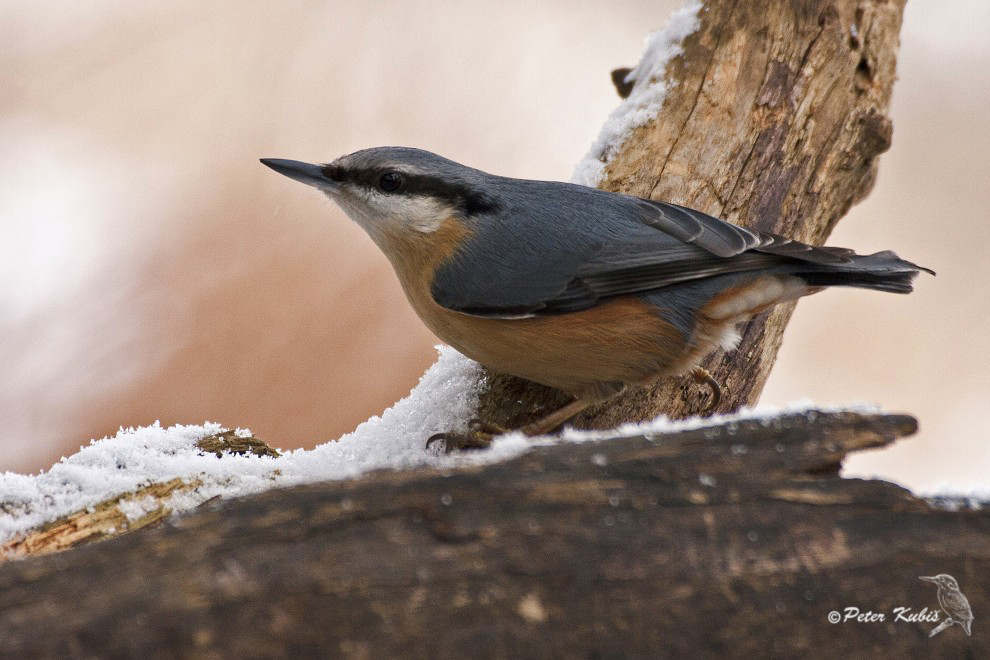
[457, 194]
[390, 181]
[333, 172]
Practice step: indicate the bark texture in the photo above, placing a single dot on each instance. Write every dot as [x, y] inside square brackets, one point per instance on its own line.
[775, 118]
[735, 540]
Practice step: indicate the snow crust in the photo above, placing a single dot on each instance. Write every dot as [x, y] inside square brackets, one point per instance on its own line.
[646, 98]
[444, 400]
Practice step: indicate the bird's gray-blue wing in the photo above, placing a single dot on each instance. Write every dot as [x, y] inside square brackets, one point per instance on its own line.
[575, 247]
[957, 605]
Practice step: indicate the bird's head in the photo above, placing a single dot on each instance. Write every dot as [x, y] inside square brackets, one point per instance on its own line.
[395, 191]
[942, 580]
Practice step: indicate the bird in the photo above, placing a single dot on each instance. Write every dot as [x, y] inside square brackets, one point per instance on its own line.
[577, 288]
[953, 603]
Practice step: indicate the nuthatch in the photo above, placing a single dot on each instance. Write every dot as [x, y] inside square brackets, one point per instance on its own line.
[573, 287]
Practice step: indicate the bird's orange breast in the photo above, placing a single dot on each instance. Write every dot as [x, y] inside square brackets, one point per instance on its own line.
[594, 352]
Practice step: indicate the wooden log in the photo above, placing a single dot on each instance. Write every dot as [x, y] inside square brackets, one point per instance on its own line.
[775, 117]
[737, 539]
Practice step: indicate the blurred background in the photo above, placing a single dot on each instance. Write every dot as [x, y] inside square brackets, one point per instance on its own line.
[152, 269]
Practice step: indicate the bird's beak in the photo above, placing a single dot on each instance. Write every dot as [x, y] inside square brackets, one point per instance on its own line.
[311, 175]
[928, 579]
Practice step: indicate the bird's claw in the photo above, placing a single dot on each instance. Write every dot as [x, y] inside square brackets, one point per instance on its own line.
[479, 435]
[457, 440]
[701, 375]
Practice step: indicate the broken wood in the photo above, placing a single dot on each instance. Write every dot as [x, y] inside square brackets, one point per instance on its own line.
[126, 512]
[774, 119]
[735, 539]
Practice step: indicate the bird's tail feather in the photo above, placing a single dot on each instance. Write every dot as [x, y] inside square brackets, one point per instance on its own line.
[883, 271]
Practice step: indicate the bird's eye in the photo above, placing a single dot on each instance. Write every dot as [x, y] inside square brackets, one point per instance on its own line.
[390, 181]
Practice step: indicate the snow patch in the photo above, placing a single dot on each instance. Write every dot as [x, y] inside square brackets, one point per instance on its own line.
[954, 497]
[646, 98]
[953, 500]
[137, 508]
[444, 400]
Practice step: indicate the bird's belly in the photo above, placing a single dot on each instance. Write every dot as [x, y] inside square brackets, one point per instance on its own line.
[594, 352]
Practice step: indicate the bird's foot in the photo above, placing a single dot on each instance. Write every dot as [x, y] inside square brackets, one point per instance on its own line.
[479, 435]
[701, 375]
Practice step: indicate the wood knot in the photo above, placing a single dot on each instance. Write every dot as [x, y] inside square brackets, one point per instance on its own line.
[875, 133]
[229, 441]
[864, 74]
[623, 88]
